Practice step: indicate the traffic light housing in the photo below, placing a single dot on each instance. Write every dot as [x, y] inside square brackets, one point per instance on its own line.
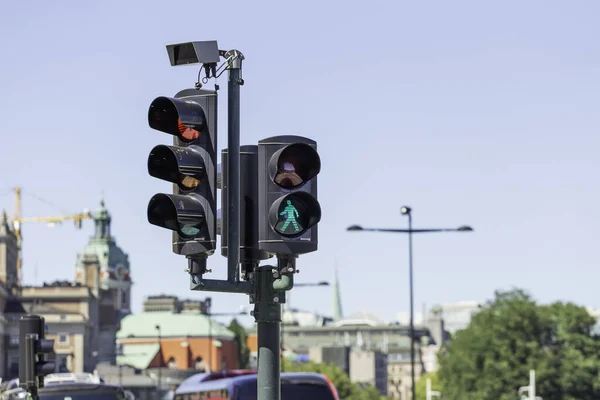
[34, 349]
[191, 165]
[249, 220]
[288, 207]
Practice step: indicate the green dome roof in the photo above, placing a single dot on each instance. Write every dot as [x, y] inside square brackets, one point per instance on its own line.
[143, 325]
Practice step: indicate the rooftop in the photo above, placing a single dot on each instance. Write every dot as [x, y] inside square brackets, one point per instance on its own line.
[143, 325]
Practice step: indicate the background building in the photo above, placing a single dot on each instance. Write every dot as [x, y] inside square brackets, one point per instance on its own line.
[182, 338]
[83, 315]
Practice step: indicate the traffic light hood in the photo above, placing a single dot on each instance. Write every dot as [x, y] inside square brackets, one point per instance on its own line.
[292, 166]
[178, 117]
[183, 166]
[182, 214]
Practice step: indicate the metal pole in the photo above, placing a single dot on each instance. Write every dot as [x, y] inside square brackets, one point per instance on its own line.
[270, 287]
[532, 384]
[233, 164]
[31, 327]
[210, 343]
[428, 389]
[282, 340]
[159, 362]
[269, 383]
[412, 324]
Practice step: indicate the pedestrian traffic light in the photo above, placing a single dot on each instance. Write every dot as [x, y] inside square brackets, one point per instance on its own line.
[34, 349]
[288, 207]
[191, 165]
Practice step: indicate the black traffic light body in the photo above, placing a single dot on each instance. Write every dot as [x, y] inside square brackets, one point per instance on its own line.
[34, 349]
[249, 251]
[191, 165]
[289, 210]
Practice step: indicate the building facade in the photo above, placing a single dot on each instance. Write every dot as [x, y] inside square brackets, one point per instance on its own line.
[4, 336]
[104, 267]
[82, 316]
[360, 333]
[370, 368]
[457, 316]
[183, 338]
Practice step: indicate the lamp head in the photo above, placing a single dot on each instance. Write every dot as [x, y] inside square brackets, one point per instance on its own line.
[355, 228]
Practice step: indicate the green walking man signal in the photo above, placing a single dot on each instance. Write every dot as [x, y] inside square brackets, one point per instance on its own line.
[290, 213]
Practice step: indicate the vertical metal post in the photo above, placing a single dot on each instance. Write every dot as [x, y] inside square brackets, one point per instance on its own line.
[267, 312]
[282, 340]
[269, 383]
[233, 163]
[412, 322]
[532, 384]
[31, 378]
[210, 343]
[31, 327]
[160, 363]
[428, 389]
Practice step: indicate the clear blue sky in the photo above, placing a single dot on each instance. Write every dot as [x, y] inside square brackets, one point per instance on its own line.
[470, 112]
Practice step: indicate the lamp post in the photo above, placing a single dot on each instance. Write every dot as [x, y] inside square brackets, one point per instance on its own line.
[157, 327]
[408, 212]
[281, 330]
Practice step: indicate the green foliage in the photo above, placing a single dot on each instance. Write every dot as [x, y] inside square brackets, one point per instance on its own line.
[491, 358]
[346, 389]
[421, 385]
[240, 339]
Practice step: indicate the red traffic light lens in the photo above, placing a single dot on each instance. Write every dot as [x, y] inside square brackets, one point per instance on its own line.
[182, 118]
[295, 165]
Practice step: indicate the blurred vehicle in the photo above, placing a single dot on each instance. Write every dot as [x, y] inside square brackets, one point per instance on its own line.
[294, 386]
[70, 386]
[212, 376]
[129, 395]
[13, 394]
[70, 377]
[82, 391]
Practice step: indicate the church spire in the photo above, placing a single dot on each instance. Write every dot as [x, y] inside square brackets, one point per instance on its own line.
[337, 297]
[102, 221]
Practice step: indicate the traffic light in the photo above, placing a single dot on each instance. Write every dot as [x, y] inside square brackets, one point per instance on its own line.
[288, 207]
[34, 349]
[249, 251]
[191, 165]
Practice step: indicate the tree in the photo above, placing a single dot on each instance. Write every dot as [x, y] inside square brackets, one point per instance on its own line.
[491, 358]
[346, 389]
[240, 339]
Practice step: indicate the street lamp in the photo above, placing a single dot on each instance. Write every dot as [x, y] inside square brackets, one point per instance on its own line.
[405, 210]
[281, 329]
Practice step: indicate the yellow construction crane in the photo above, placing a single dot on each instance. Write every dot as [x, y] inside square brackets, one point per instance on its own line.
[17, 220]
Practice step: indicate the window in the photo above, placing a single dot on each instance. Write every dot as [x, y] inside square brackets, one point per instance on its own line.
[14, 340]
[63, 338]
[172, 364]
[199, 364]
[14, 365]
[290, 391]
